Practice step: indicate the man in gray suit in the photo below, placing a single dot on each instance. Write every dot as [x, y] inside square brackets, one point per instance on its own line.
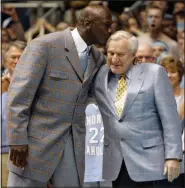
[142, 142]
[47, 101]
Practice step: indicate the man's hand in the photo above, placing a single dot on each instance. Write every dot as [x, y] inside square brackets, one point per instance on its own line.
[172, 169]
[18, 155]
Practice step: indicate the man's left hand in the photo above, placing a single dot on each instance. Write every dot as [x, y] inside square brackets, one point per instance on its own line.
[172, 169]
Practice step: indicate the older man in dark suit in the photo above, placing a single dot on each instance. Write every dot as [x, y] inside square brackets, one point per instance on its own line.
[46, 103]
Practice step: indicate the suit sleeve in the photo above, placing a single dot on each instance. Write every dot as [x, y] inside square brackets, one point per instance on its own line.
[22, 91]
[167, 110]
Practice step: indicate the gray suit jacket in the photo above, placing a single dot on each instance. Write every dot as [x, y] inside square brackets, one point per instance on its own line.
[46, 100]
[148, 131]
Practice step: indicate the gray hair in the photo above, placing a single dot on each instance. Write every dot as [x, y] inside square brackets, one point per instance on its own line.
[132, 40]
[18, 44]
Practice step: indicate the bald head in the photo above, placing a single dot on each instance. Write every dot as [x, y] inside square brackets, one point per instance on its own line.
[145, 53]
[94, 24]
[93, 12]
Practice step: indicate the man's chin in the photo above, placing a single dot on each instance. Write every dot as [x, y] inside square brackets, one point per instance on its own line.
[154, 29]
[116, 71]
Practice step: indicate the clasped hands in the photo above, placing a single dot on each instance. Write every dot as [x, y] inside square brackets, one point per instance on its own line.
[18, 155]
[172, 169]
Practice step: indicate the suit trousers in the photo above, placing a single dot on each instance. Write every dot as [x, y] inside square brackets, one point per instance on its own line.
[124, 181]
[65, 175]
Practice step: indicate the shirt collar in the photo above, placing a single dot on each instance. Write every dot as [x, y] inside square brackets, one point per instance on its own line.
[79, 42]
[117, 76]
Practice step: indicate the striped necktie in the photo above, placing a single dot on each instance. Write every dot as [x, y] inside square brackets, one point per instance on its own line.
[121, 89]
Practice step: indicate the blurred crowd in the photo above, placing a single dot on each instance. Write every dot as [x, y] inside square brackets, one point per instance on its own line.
[164, 30]
[160, 33]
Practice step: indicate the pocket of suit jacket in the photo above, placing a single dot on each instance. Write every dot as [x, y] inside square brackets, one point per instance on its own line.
[58, 75]
[152, 142]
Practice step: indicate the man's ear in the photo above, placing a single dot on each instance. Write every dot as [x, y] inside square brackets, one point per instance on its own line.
[134, 55]
[87, 23]
[134, 58]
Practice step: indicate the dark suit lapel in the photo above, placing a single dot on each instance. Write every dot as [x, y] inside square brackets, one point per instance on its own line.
[72, 54]
[136, 81]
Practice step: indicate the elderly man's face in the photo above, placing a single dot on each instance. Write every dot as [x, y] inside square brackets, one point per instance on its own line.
[119, 56]
[144, 55]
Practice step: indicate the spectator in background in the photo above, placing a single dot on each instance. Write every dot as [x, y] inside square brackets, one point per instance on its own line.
[62, 26]
[180, 39]
[165, 56]
[144, 53]
[175, 72]
[5, 39]
[72, 11]
[12, 54]
[134, 26]
[158, 48]
[178, 6]
[179, 18]
[116, 25]
[13, 24]
[142, 17]
[123, 18]
[155, 18]
[11, 57]
[163, 5]
[169, 26]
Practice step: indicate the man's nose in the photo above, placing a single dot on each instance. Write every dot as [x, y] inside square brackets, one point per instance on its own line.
[114, 58]
[143, 60]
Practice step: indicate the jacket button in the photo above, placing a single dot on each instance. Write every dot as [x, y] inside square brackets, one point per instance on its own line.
[122, 139]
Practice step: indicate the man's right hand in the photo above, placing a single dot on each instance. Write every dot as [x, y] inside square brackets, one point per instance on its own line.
[18, 155]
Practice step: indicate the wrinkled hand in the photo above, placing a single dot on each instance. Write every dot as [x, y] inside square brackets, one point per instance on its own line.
[172, 169]
[18, 155]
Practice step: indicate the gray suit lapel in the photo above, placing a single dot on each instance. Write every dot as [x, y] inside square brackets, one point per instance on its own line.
[94, 63]
[136, 81]
[109, 93]
[72, 54]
